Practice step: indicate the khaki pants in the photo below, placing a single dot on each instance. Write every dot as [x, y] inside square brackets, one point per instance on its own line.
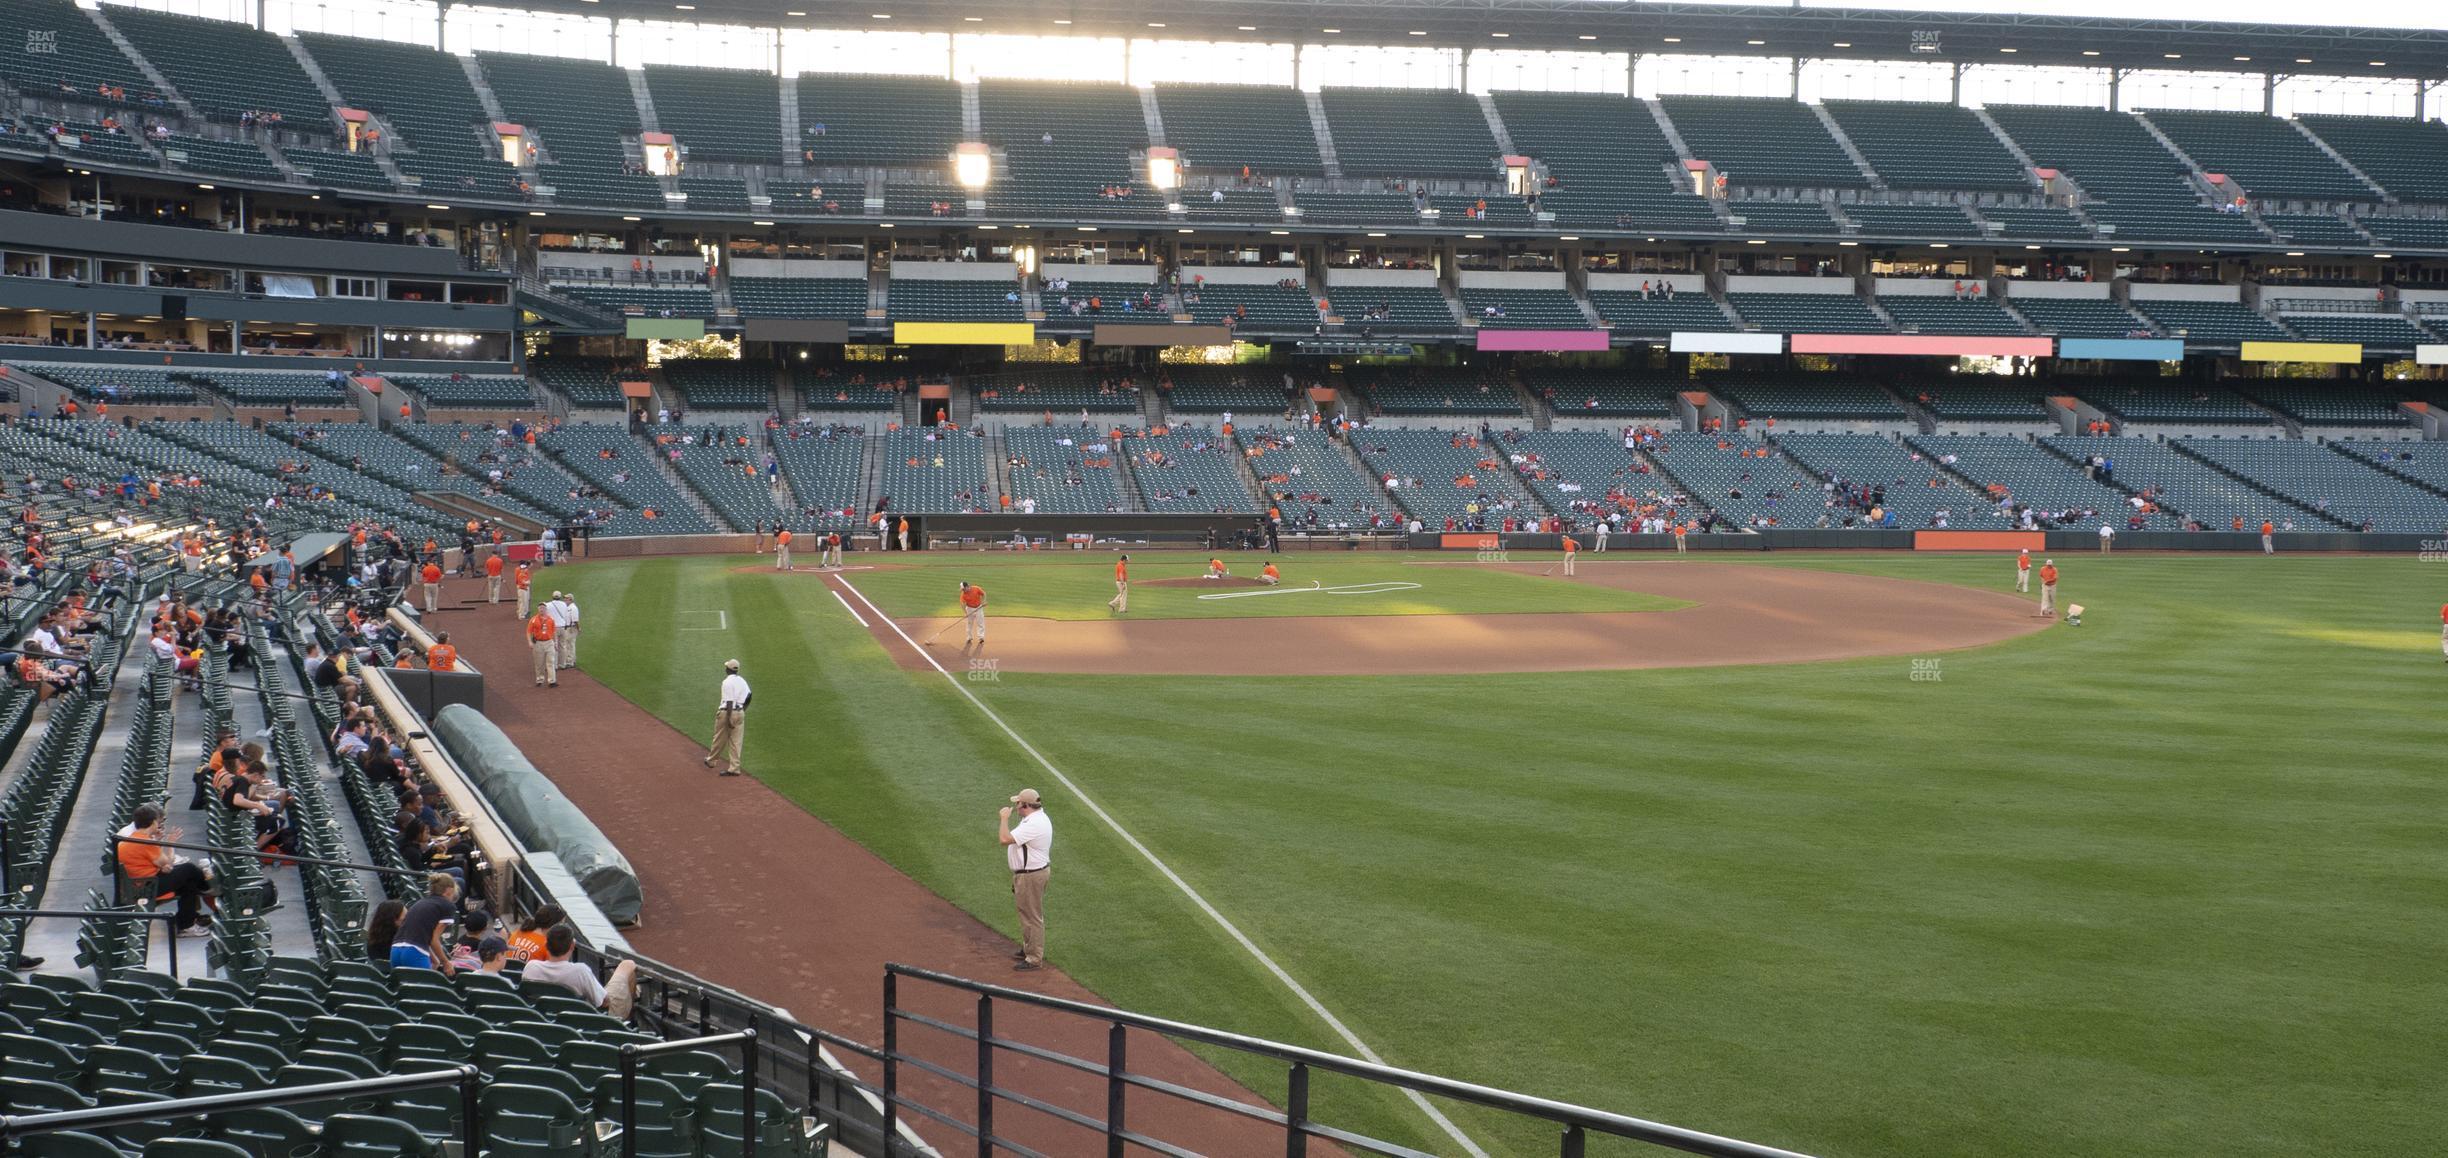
[544, 650]
[1028, 896]
[2266, 548]
[493, 588]
[569, 645]
[2048, 599]
[1121, 599]
[2022, 578]
[730, 731]
[781, 556]
[1678, 544]
[975, 619]
[433, 591]
[833, 555]
[2107, 544]
[2444, 639]
[904, 536]
[1568, 562]
[522, 592]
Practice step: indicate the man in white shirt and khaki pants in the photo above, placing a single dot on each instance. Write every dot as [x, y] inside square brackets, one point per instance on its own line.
[730, 720]
[1028, 847]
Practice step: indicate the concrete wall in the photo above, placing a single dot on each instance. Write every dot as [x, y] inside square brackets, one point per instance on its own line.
[1340, 278]
[2093, 290]
[997, 271]
[1513, 279]
[129, 241]
[1755, 284]
[1684, 283]
[2150, 292]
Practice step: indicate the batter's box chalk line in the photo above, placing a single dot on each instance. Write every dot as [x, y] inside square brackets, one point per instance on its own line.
[1314, 588]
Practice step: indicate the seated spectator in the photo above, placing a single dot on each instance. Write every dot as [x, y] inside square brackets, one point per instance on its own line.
[556, 968]
[155, 872]
[492, 955]
[382, 928]
[527, 941]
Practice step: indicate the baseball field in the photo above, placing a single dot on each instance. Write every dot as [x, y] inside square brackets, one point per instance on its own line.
[1848, 853]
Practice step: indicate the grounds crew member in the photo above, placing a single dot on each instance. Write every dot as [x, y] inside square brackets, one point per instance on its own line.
[833, 549]
[540, 643]
[442, 656]
[973, 611]
[1121, 600]
[782, 540]
[1028, 848]
[567, 621]
[520, 579]
[2267, 548]
[904, 529]
[1269, 575]
[493, 577]
[2023, 570]
[2048, 587]
[730, 720]
[1572, 548]
[432, 575]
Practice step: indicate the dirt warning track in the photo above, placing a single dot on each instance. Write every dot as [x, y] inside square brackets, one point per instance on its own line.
[1744, 615]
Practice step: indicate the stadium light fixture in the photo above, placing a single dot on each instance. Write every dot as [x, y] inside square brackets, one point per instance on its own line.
[2031, 247]
[1246, 27]
[1586, 37]
[1087, 229]
[1154, 24]
[2295, 253]
[428, 207]
[2090, 52]
[2010, 50]
[1756, 241]
[1474, 236]
[2384, 256]
[1376, 235]
[685, 7]
[1331, 31]
[2243, 58]
[886, 225]
[2120, 249]
[795, 14]
[1674, 40]
[1185, 231]
[2379, 64]
[1940, 245]
[633, 219]
[1062, 22]
[990, 227]
[764, 223]
[1842, 44]
[973, 165]
[1279, 233]
[2303, 60]
[1419, 32]
[1750, 42]
[1840, 244]
[880, 15]
[973, 19]
[1502, 35]
[1569, 237]
[2172, 55]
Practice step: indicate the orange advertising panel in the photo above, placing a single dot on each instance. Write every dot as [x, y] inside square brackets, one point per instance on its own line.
[1979, 540]
[1469, 542]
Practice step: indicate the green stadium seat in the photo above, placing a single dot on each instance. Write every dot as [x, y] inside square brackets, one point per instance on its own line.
[268, 1132]
[372, 1136]
[534, 1122]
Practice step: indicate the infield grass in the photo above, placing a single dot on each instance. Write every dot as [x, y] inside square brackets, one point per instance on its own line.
[2167, 884]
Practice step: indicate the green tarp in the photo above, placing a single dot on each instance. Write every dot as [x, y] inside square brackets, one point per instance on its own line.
[537, 813]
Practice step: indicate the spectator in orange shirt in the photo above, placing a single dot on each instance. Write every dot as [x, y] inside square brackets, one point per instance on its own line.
[442, 656]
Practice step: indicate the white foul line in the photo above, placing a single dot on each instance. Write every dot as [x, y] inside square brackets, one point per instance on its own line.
[722, 619]
[1230, 929]
[862, 620]
[1378, 588]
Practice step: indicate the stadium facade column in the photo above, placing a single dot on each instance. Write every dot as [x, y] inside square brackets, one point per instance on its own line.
[2116, 89]
[2269, 94]
[1955, 83]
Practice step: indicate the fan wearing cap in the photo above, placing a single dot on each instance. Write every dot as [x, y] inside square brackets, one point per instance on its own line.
[730, 720]
[1028, 846]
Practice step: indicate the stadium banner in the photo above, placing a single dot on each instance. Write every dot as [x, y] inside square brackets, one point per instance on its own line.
[1551, 341]
[1942, 345]
[1166, 335]
[963, 333]
[2431, 354]
[1470, 542]
[2342, 353]
[1699, 342]
[2122, 349]
[814, 330]
[1980, 540]
[668, 329]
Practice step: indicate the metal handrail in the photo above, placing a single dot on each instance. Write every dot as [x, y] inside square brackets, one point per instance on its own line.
[1577, 1121]
[13, 1126]
[285, 858]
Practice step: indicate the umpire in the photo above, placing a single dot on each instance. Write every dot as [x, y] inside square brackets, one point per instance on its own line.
[730, 720]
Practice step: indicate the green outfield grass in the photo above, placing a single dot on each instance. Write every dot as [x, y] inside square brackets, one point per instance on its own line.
[2166, 884]
[1076, 587]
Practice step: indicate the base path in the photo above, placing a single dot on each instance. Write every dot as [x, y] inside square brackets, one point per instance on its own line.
[1745, 615]
[746, 889]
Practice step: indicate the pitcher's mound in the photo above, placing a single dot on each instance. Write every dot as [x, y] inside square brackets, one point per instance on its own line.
[1198, 581]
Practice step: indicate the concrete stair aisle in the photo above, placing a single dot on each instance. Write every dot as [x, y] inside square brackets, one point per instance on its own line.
[971, 123]
[2359, 175]
[314, 72]
[645, 99]
[1153, 115]
[161, 84]
[688, 491]
[484, 88]
[1126, 479]
[786, 397]
[790, 124]
[1325, 135]
[1495, 124]
[76, 865]
[998, 469]
[1844, 142]
[1151, 408]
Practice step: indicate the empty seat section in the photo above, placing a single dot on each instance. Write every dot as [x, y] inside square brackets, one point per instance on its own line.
[81, 57]
[1259, 205]
[483, 452]
[724, 464]
[1981, 398]
[716, 194]
[2329, 482]
[2130, 180]
[344, 170]
[1248, 392]
[1912, 221]
[410, 467]
[1765, 216]
[582, 112]
[435, 122]
[1807, 313]
[1392, 309]
[1900, 479]
[1462, 391]
[273, 387]
[1409, 133]
[826, 388]
[1949, 315]
[1656, 315]
[2313, 228]
[2407, 157]
[1524, 309]
[1606, 393]
[1612, 166]
[2316, 403]
[1334, 208]
[1477, 210]
[2036, 221]
[2140, 400]
[1586, 472]
[650, 300]
[2211, 321]
[2428, 232]
[1221, 127]
[2081, 317]
[226, 158]
[825, 471]
[1250, 308]
[117, 383]
[1191, 470]
[1760, 142]
[1063, 391]
[1081, 304]
[722, 383]
[896, 121]
[934, 300]
[1928, 145]
[1312, 481]
[225, 68]
[586, 382]
[1804, 395]
[2391, 331]
[1738, 481]
[2270, 157]
[2185, 484]
[1065, 146]
[2011, 470]
[1066, 469]
[841, 298]
[933, 472]
[925, 199]
[719, 114]
[505, 390]
[612, 461]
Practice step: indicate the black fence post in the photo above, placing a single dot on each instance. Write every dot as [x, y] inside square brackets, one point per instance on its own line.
[1296, 1113]
[705, 1009]
[471, 1111]
[1117, 1045]
[5, 890]
[1574, 1141]
[628, 1109]
[892, 1052]
[748, 1090]
[985, 1076]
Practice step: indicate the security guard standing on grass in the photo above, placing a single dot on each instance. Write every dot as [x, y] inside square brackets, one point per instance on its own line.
[730, 720]
[1028, 848]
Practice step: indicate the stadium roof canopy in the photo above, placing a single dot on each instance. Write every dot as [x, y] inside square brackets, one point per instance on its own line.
[1619, 26]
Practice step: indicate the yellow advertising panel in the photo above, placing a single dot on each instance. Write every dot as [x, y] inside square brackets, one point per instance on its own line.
[2342, 352]
[963, 333]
